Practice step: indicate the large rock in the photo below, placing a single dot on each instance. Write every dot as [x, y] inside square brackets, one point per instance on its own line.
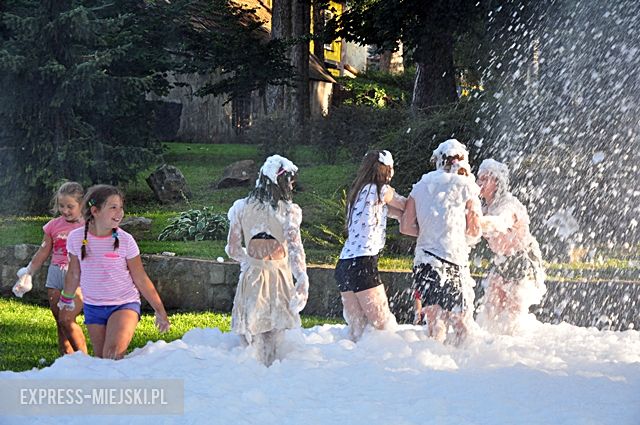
[168, 184]
[240, 173]
[139, 227]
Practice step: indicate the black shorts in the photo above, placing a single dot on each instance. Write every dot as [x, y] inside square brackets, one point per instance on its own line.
[357, 274]
[434, 291]
[516, 267]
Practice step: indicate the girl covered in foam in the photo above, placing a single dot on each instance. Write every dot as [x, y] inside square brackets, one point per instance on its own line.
[442, 211]
[264, 237]
[516, 278]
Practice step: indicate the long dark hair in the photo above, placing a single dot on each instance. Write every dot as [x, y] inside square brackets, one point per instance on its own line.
[96, 197]
[371, 171]
[267, 192]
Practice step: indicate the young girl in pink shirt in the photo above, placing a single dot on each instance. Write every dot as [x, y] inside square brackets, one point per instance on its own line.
[105, 261]
[66, 202]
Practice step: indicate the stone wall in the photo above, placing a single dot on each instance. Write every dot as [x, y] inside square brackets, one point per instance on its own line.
[195, 285]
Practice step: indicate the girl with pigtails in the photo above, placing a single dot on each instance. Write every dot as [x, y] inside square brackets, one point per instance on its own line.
[369, 201]
[267, 223]
[105, 261]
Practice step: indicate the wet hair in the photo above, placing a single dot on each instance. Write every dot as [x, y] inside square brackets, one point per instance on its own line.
[497, 170]
[463, 172]
[96, 197]
[447, 161]
[267, 192]
[72, 189]
[371, 171]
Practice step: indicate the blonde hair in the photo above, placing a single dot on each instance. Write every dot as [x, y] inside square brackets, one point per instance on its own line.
[72, 189]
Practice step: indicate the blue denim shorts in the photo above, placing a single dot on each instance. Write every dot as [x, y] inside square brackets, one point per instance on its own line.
[99, 314]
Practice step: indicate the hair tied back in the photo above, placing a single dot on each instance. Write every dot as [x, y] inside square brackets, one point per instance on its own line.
[386, 158]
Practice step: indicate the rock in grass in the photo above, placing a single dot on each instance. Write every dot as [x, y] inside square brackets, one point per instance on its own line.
[240, 173]
[168, 184]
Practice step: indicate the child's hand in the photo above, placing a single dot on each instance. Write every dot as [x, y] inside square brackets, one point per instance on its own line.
[23, 285]
[162, 322]
[65, 303]
[24, 270]
[298, 302]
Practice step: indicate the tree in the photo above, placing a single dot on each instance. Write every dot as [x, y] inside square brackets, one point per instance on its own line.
[319, 9]
[291, 24]
[300, 107]
[75, 75]
[73, 106]
[426, 28]
[215, 37]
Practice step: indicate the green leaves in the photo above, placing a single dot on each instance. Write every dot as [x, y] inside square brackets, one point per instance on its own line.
[75, 76]
[198, 225]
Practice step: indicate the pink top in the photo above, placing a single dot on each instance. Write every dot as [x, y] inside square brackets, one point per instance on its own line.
[58, 229]
[104, 274]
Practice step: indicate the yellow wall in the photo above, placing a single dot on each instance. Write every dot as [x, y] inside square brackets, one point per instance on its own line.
[333, 51]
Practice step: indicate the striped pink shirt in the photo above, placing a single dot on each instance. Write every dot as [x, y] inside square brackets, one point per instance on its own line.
[104, 275]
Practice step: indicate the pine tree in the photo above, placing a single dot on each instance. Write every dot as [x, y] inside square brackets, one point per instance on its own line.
[72, 105]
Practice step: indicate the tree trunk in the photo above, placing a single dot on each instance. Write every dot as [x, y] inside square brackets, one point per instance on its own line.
[435, 82]
[319, 7]
[300, 106]
[280, 29]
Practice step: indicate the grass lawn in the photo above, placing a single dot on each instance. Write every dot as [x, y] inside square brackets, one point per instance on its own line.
[202, 166]
[28, 332]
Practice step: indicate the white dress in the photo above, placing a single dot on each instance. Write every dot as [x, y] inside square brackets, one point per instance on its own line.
[265, 287]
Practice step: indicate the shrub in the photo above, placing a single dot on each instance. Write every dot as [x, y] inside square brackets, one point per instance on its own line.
[273, 134]
[348, 131]
[352, 130]
[376, 89]
[331, 233]
[197, 225]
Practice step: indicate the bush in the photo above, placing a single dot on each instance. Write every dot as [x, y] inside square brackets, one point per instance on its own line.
[346, 133]
[273, 134]
[376, 89]
[197, 225]
[352, 130]
[331, 233]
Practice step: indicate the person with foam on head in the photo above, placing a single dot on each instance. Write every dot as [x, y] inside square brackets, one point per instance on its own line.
[369, 202]
[443, 212]
[67, 202]
[516, 278]
[264, 237]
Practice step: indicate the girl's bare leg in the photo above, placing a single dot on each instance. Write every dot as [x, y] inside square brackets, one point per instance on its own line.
[97, 334]
[375, 305]
[353, 315]
[64, 347]
[120, 328]
[436, 322]
[67, 320]
[417, 308]
[266, 345]
[457, 322]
